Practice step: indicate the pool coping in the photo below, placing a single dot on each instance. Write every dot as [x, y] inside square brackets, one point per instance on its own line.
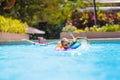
[5, 36]
[91, 35]
[104, 39]
[25, 41]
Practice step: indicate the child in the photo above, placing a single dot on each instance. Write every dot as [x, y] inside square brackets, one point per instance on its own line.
[66, 43]
[41, 40]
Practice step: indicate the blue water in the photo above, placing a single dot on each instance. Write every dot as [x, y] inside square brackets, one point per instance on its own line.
[93, 61]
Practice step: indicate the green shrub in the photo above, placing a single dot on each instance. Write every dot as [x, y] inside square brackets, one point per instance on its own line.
[69, 28]
[12, 25]
[106, 28]
[94, 29]
[112, 28]
[86, 29]
[79, 30]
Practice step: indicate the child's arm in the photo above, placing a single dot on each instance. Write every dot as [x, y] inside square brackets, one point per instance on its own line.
[75, 39]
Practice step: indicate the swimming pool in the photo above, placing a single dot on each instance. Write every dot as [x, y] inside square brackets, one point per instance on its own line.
[95, 61]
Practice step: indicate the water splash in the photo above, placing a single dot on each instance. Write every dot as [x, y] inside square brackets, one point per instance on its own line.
[84, 43]
[83, 48]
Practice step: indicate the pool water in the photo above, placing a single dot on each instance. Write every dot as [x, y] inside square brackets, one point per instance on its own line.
[93, 61]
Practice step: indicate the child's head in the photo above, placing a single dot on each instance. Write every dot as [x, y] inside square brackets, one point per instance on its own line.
[65, 43]
[41, 39]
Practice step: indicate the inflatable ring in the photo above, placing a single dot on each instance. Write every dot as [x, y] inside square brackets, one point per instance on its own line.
[76, 45]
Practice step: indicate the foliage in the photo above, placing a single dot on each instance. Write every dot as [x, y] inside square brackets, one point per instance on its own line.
[35, 11]
[9, 5]
[12, 25]
[105, 28]
[86, 19]
[111, 28]
[69, 28]
[118, 15]
[79, 30]
[96, 29]
[55, 13]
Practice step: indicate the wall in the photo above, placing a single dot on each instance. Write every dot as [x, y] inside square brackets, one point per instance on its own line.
[92, 34]
[12, 36]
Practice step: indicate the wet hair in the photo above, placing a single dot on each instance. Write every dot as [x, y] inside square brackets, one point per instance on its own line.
[63, 40]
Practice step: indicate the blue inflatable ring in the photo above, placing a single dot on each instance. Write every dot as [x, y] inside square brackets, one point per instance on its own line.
[76, 45]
